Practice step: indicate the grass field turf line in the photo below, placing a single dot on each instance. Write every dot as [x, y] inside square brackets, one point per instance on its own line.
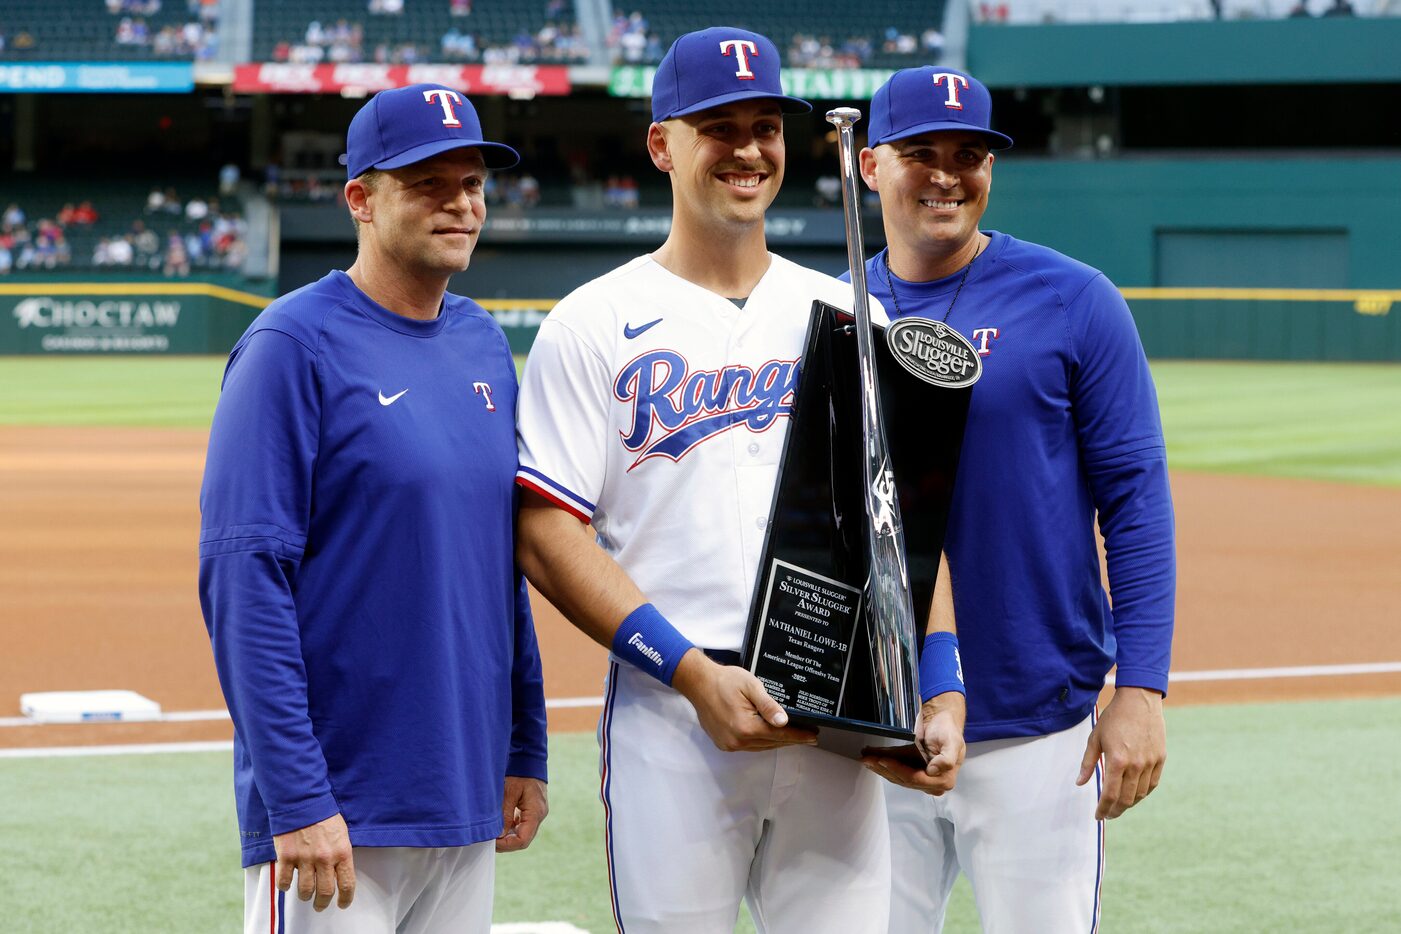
[1320, 421]
[1276, 817]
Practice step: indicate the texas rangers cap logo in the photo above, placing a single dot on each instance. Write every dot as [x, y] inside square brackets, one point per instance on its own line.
[916, 101]
[401, 126]
[955, 83]
[448, 99]
[718, 66]
[742, 49]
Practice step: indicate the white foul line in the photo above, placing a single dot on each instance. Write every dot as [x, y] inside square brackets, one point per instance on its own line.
[45, 752]
[1300, 671]
[193, 716]
[181, 716]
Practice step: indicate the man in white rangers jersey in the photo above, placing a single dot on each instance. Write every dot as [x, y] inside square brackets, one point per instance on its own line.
[654, 407]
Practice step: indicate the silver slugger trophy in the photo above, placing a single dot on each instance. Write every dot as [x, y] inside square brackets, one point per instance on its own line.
[890, 618]
[841, 580]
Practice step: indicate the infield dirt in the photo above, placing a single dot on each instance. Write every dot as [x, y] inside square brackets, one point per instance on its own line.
[99, 526]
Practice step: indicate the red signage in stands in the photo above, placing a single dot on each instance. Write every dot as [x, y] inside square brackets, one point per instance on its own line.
[512, 80]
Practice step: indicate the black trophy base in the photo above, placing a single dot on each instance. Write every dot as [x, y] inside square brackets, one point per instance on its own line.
[854, 739]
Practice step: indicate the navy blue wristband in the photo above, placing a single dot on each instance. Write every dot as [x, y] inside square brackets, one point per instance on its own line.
[940, 668]
[647, 640]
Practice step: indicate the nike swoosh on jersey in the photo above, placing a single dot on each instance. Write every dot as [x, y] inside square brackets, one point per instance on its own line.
[390, 400]
[630, 332]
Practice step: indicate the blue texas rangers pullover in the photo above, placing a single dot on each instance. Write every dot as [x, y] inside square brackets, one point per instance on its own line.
[1063, 424]
[371, 632]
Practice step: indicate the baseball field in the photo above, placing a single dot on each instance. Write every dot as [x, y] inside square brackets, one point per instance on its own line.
[1278, 809]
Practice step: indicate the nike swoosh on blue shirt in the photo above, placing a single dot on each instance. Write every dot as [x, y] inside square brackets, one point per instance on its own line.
[630, 332]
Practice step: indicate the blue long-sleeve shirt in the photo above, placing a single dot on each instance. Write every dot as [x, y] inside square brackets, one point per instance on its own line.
[371, 631]
[1062, 425]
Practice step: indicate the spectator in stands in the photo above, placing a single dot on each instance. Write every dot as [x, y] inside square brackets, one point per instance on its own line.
[460, 7]
[146, 244]
[236, 256]
[18, 239]
[932, 40]
[529, 190]
[85, 215]
[459, 46]
[229, 177]
[166, 42]
[386, 7]
[1340, 8]
[2, 49]
[120, 252]
[899, 43]
[177, 262]
[102, 253]
[14, 216]
[7, 261]
[196, 209]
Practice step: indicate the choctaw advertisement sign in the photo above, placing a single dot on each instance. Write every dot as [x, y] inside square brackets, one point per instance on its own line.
[509, 80]
[39, 321]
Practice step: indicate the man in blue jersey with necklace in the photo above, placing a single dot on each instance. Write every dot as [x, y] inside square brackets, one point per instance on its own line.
[1063, 429]
[371, 632]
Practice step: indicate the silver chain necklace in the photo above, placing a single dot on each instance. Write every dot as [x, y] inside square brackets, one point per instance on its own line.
[890, 283]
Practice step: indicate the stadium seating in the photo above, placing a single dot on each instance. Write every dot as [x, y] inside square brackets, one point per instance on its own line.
[421, 25]
[835, 20]
[84, 30]
[119, 205]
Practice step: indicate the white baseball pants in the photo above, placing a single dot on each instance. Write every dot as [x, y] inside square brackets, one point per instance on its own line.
[800, 832]
[398, 890]
[1018, 826]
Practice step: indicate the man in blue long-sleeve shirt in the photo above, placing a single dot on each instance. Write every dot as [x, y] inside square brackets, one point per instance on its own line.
[372, 634]
[1062, 428]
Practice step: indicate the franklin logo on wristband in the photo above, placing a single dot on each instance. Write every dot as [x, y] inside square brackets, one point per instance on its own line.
[645, 650]
[648, 642]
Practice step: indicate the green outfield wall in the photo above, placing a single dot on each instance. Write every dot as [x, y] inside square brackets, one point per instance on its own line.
[1333, 50]
[1288, 258]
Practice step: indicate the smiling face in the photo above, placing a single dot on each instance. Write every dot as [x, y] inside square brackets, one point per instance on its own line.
[726, 163]
[423, 219]
[933, 188]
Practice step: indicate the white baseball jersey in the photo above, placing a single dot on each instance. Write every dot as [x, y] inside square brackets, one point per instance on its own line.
[657, 410]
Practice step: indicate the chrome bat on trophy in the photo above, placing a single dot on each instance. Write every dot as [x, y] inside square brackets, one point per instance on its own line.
[890, 616]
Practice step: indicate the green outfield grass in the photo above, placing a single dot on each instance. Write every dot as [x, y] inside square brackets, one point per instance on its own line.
[1277, 817]
[170, 392]
[1321, 421]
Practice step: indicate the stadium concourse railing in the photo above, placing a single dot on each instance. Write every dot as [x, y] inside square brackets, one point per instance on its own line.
[188, 317]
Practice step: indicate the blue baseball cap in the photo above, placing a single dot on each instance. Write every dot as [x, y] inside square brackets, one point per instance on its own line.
[930, 99]
[717, 66]
[405, 125]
